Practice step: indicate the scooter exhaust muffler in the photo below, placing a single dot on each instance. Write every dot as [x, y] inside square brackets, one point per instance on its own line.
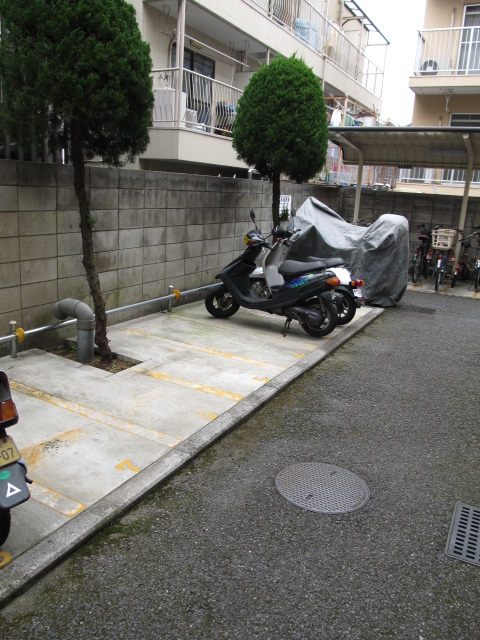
[302, 314]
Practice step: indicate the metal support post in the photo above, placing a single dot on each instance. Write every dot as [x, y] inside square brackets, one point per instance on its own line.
[13, 346]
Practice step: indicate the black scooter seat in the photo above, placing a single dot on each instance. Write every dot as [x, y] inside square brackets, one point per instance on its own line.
[294, 267]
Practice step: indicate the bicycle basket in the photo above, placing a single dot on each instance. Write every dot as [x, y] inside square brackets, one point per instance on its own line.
[444, 238]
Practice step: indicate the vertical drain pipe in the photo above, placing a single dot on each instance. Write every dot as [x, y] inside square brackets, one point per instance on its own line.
[85, 325]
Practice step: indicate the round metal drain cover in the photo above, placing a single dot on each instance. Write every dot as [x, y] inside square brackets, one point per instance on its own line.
[322, 487]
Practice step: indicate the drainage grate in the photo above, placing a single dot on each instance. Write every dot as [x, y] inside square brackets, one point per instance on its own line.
[464, 537]
[414, 309]
[322, 487]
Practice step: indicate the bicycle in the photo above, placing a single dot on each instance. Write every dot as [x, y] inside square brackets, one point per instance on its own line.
[462, 269]
[476, 275]
[443, 240]
[420, 254]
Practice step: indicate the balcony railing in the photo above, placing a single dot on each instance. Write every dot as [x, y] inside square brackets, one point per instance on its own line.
[206, 105]
[453, 51]
[449, 177]
[324, 37]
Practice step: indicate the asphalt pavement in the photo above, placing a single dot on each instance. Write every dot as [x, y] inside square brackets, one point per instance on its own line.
[96, 442]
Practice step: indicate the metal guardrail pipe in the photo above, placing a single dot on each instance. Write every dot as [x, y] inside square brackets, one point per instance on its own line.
[18, 335]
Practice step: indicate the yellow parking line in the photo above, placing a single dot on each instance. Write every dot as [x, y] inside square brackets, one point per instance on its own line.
[193, 347]
[97, 416]
[191, 385]
[55, 500]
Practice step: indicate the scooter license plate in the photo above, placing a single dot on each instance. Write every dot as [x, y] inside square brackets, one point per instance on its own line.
[358, 293]
[8, 451]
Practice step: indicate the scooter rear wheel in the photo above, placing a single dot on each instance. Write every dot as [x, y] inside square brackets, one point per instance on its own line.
[220, 304]
[329, 311]
[347, 311]
[4, 525]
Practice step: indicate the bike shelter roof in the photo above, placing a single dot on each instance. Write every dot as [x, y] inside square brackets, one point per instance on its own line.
[407, 147]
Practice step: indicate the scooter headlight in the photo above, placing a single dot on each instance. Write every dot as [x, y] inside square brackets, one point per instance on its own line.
[253, 238]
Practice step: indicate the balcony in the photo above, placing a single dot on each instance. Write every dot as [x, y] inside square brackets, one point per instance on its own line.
[447, 60]
[326, 38]
[206, 106]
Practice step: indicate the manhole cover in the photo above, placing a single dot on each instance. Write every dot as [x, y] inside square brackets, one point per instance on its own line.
[322, 487]
[464, 537]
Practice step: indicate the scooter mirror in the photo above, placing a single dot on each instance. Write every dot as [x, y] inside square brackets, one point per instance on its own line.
[252, 216]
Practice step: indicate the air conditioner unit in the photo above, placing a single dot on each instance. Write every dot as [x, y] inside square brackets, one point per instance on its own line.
[434, 66]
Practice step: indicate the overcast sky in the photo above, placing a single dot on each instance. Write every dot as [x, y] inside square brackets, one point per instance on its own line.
[399, 23]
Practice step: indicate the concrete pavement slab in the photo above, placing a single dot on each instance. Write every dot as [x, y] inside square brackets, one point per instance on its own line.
[96, 442]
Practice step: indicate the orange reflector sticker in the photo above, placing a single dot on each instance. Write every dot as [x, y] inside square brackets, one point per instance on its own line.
[8, 410]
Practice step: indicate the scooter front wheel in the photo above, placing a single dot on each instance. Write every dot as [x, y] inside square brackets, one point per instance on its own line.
[329, 311]
[220, 304]
[4, 525]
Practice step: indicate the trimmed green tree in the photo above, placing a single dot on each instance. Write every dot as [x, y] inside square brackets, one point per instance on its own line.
[281, 124]
[77, 72]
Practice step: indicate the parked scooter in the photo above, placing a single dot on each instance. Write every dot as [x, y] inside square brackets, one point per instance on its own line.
[305, 297]
[13, 469]
[268, 277]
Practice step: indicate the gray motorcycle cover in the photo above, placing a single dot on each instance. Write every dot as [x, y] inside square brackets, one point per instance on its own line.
[377, 254]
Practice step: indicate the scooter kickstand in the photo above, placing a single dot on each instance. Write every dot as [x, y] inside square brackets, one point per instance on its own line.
[286, 327]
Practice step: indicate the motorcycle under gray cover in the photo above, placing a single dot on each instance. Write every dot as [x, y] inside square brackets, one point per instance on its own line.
[378, 254]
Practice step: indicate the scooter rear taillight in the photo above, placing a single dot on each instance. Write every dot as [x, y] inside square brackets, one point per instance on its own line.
[8, 411]
[358, 283]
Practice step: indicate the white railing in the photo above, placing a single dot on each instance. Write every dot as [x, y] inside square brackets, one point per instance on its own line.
[323, 36]
[453, 51]
[206, 105]
[450, 177]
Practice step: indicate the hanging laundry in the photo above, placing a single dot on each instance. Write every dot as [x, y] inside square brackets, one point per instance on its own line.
[336, 118]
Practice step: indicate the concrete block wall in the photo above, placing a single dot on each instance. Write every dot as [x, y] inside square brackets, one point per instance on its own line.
[152, 230]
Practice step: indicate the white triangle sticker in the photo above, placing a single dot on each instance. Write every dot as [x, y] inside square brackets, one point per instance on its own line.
[12, 490]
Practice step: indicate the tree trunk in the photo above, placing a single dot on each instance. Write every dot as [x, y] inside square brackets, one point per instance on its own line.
[276, 199]
[87, 244]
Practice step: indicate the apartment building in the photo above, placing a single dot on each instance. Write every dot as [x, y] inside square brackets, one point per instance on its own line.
[214, 47]
[211, 48]
[446, 83]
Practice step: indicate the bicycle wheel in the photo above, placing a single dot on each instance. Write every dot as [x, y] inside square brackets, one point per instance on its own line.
[417, 263]
[438, 278]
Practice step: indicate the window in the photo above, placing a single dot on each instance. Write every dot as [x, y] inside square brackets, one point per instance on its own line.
[197, 85]
[465, 120]
[469, 57]
[456, 176]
